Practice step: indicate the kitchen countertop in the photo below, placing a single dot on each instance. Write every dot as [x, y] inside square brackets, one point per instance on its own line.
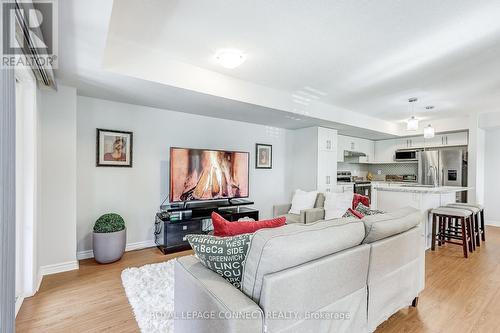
[417, 189]
[378, 182]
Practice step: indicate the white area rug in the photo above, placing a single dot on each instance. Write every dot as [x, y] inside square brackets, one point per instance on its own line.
[150, 291]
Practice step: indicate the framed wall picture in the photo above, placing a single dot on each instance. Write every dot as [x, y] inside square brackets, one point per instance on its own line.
[263, 156]
[114, 148]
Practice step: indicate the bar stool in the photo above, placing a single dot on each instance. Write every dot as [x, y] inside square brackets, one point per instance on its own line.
[454, 224]
[475, 221]
[481, 214]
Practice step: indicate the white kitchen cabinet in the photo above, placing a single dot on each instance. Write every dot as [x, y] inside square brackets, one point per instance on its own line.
[355, 144]
[455, 139]
[385, 149]
[342, 144]
[410, 142]
[448, 140]
[327, 139]
[344, 188]
[436, 141]
[327, 171]
[314, 164]
[367, 147]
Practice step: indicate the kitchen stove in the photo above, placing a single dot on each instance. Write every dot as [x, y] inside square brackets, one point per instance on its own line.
[362, 187]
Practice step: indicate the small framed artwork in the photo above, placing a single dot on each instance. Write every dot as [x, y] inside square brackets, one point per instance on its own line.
[263, 156]
[114, 148]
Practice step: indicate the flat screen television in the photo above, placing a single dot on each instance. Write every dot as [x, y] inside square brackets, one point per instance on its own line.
[201, 174]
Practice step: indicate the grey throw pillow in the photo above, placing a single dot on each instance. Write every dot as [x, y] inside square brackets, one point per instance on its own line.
[223, 255]
[367, 211]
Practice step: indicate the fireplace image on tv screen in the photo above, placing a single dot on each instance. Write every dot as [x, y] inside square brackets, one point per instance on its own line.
[198, 174]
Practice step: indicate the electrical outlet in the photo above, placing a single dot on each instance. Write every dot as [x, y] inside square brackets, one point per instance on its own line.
[379, 172]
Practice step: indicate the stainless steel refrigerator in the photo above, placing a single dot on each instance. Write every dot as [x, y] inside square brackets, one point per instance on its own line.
[444, 167]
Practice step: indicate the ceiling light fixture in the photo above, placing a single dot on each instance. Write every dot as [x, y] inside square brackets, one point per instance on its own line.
[230, 58]
[429, 130]
[412, 123]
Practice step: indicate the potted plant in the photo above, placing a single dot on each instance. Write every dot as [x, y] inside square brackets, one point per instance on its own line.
[109, 238]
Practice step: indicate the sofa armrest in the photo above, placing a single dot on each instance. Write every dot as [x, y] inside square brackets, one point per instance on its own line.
[205, 302]
[312, 215]
[279, 210]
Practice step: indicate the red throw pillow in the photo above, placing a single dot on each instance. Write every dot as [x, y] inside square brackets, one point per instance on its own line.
[357, 198]
[223, 228]
[356, 213]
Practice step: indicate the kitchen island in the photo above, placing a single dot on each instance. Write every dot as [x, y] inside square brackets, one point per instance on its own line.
[389, 197]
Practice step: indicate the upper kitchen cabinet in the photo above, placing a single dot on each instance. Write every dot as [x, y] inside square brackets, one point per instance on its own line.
[448, 140]
[409, 143]
[455, 139]
[385, 149]
[327, 139]
[348, 143]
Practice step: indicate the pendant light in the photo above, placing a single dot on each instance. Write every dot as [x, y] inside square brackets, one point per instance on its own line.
[429, 130]
[412, 123]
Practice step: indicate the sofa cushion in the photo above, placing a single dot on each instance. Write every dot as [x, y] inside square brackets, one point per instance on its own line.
[303, 200]
[292, 218]
[224, 228]
[223, 255]
[273, 250]
[381, 226]
[336, 204]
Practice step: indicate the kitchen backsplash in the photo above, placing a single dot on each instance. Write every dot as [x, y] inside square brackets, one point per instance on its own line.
[394, 169]
[361, 170]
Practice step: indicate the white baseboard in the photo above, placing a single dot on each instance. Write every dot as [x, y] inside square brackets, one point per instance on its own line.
[140, 245]
[39, 283]
[492, 223]
[129, 247]
[84, 255]
[58, 268]
[19, 302]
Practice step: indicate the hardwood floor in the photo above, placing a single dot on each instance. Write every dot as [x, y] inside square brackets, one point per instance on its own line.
[461, 295]
[90, 299]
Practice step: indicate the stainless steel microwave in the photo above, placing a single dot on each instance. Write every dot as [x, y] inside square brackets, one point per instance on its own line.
[406, 155]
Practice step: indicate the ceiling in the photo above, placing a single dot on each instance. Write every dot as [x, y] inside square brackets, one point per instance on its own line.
[366, 57]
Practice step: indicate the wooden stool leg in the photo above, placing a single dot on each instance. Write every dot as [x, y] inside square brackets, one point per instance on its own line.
[440, 230]
[447, 223]
[464, 237]
[433, 238]
[483, 233]
[468, 226]
[477, 229]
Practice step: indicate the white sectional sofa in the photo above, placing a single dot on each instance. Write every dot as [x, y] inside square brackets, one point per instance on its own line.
[343, 275]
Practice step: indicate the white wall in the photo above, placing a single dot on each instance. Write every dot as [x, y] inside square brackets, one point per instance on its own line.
[491, 174]
[57, 231]
[476, 161]
[137, 192]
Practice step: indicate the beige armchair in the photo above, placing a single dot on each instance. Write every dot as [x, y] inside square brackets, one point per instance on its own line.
[306, 216]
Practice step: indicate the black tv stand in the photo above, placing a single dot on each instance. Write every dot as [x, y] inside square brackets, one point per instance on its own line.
[176, 220]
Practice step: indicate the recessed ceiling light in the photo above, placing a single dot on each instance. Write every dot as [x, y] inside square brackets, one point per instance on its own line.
[230, 58]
